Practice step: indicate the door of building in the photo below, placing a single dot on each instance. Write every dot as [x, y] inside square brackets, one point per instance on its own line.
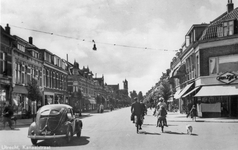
[234, 106]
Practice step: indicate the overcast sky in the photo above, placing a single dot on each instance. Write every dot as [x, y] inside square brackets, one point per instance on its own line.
[156, 24]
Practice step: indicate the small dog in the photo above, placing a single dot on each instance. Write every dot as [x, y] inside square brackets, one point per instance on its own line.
[189, 129]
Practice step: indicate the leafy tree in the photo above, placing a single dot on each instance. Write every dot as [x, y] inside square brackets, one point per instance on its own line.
[34, 93]
[165, 89]
[133, 94]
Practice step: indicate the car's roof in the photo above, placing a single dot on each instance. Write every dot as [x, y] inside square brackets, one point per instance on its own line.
[55, 106]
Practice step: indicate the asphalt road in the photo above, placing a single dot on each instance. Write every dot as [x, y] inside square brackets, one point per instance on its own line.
[114, 130]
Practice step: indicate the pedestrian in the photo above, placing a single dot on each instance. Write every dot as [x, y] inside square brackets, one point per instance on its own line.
[101, 108]
[193, 112]
[7, 114]
[189, 107]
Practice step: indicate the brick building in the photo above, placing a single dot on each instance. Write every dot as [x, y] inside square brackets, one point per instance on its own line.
[207, 72]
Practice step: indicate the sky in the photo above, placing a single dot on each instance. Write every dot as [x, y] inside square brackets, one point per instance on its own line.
[121, 29]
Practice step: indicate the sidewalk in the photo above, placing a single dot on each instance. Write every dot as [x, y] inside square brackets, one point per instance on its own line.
[177, 117]
[27, 122]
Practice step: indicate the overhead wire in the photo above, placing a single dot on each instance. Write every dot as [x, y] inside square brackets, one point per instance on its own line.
[91, 41]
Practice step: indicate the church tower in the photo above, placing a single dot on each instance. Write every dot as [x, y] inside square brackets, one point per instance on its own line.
[125, 83]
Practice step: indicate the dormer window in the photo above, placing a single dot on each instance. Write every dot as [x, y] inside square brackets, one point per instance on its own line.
[228, 28]
[21, 47]
[225, 29]
[35, 54]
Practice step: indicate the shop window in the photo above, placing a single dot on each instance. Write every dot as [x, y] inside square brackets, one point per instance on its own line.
[222, 64]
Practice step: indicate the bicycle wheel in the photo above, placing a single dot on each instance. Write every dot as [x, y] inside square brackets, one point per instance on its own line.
[137, 128]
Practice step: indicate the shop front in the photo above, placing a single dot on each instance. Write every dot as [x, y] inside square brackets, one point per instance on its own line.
[20, 102]
[218, 101]
[183, 102]
[4, 93]
[48, 98]
[59, 99]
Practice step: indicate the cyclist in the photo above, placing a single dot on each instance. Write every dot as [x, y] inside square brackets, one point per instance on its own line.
[162, 116]
[162, 104]
[137, 110]
[144, 108]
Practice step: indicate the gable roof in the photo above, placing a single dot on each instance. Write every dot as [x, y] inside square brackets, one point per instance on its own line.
[211, 31]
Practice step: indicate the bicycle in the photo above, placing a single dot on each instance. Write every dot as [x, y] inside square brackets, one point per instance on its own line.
[138, 123]
[162, 123]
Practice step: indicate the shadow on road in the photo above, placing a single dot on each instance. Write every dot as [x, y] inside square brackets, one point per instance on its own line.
[144, 132]
[149, 124]
[177, 133]
[8, 129]
[83, 140]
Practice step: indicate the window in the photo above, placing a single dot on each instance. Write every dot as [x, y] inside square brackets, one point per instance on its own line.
[35, 54]
[2, 62]
[223, 64]
[22, 74]
[187, 41]
[21, 47]
[228, 28]
[44, 77]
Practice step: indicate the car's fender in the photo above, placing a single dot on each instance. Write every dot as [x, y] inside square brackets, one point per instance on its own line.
[32, 128]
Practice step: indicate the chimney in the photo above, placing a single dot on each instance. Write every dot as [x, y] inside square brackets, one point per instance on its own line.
[30, 40]
[7, 28]
[230, 6]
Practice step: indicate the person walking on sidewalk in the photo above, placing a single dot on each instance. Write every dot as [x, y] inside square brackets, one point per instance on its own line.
[7, 114]
[193, 112]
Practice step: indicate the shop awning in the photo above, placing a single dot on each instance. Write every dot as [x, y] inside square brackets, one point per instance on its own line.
[221, 90]
[20, 89]
[177, 94]
[179, 71]
[190, 92]
[184, 90]
[92, 100]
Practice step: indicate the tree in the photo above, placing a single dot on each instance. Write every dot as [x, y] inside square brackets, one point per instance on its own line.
[133, 94]
[34, 94]
[78, 98]
[165, 89]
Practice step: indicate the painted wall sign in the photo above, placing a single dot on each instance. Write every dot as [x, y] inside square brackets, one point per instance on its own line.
[227, 77]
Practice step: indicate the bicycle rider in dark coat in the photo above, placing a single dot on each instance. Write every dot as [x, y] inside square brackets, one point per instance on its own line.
[137, 110]
[7, 114]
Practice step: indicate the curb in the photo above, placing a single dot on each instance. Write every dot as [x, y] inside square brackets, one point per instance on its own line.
[211, 121]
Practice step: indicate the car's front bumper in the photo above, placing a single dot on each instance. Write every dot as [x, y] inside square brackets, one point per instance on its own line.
[43, 137]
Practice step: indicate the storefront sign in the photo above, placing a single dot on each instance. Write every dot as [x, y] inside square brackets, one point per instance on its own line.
[227, 77]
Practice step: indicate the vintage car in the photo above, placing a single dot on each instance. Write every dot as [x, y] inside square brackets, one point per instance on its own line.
[54, 121]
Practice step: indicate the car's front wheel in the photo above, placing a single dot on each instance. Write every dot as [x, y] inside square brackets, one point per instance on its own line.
[34, 141]
[69, 134]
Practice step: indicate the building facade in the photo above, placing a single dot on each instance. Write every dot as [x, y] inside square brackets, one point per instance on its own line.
[5, 66]
[209, 67]
[54, 78]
